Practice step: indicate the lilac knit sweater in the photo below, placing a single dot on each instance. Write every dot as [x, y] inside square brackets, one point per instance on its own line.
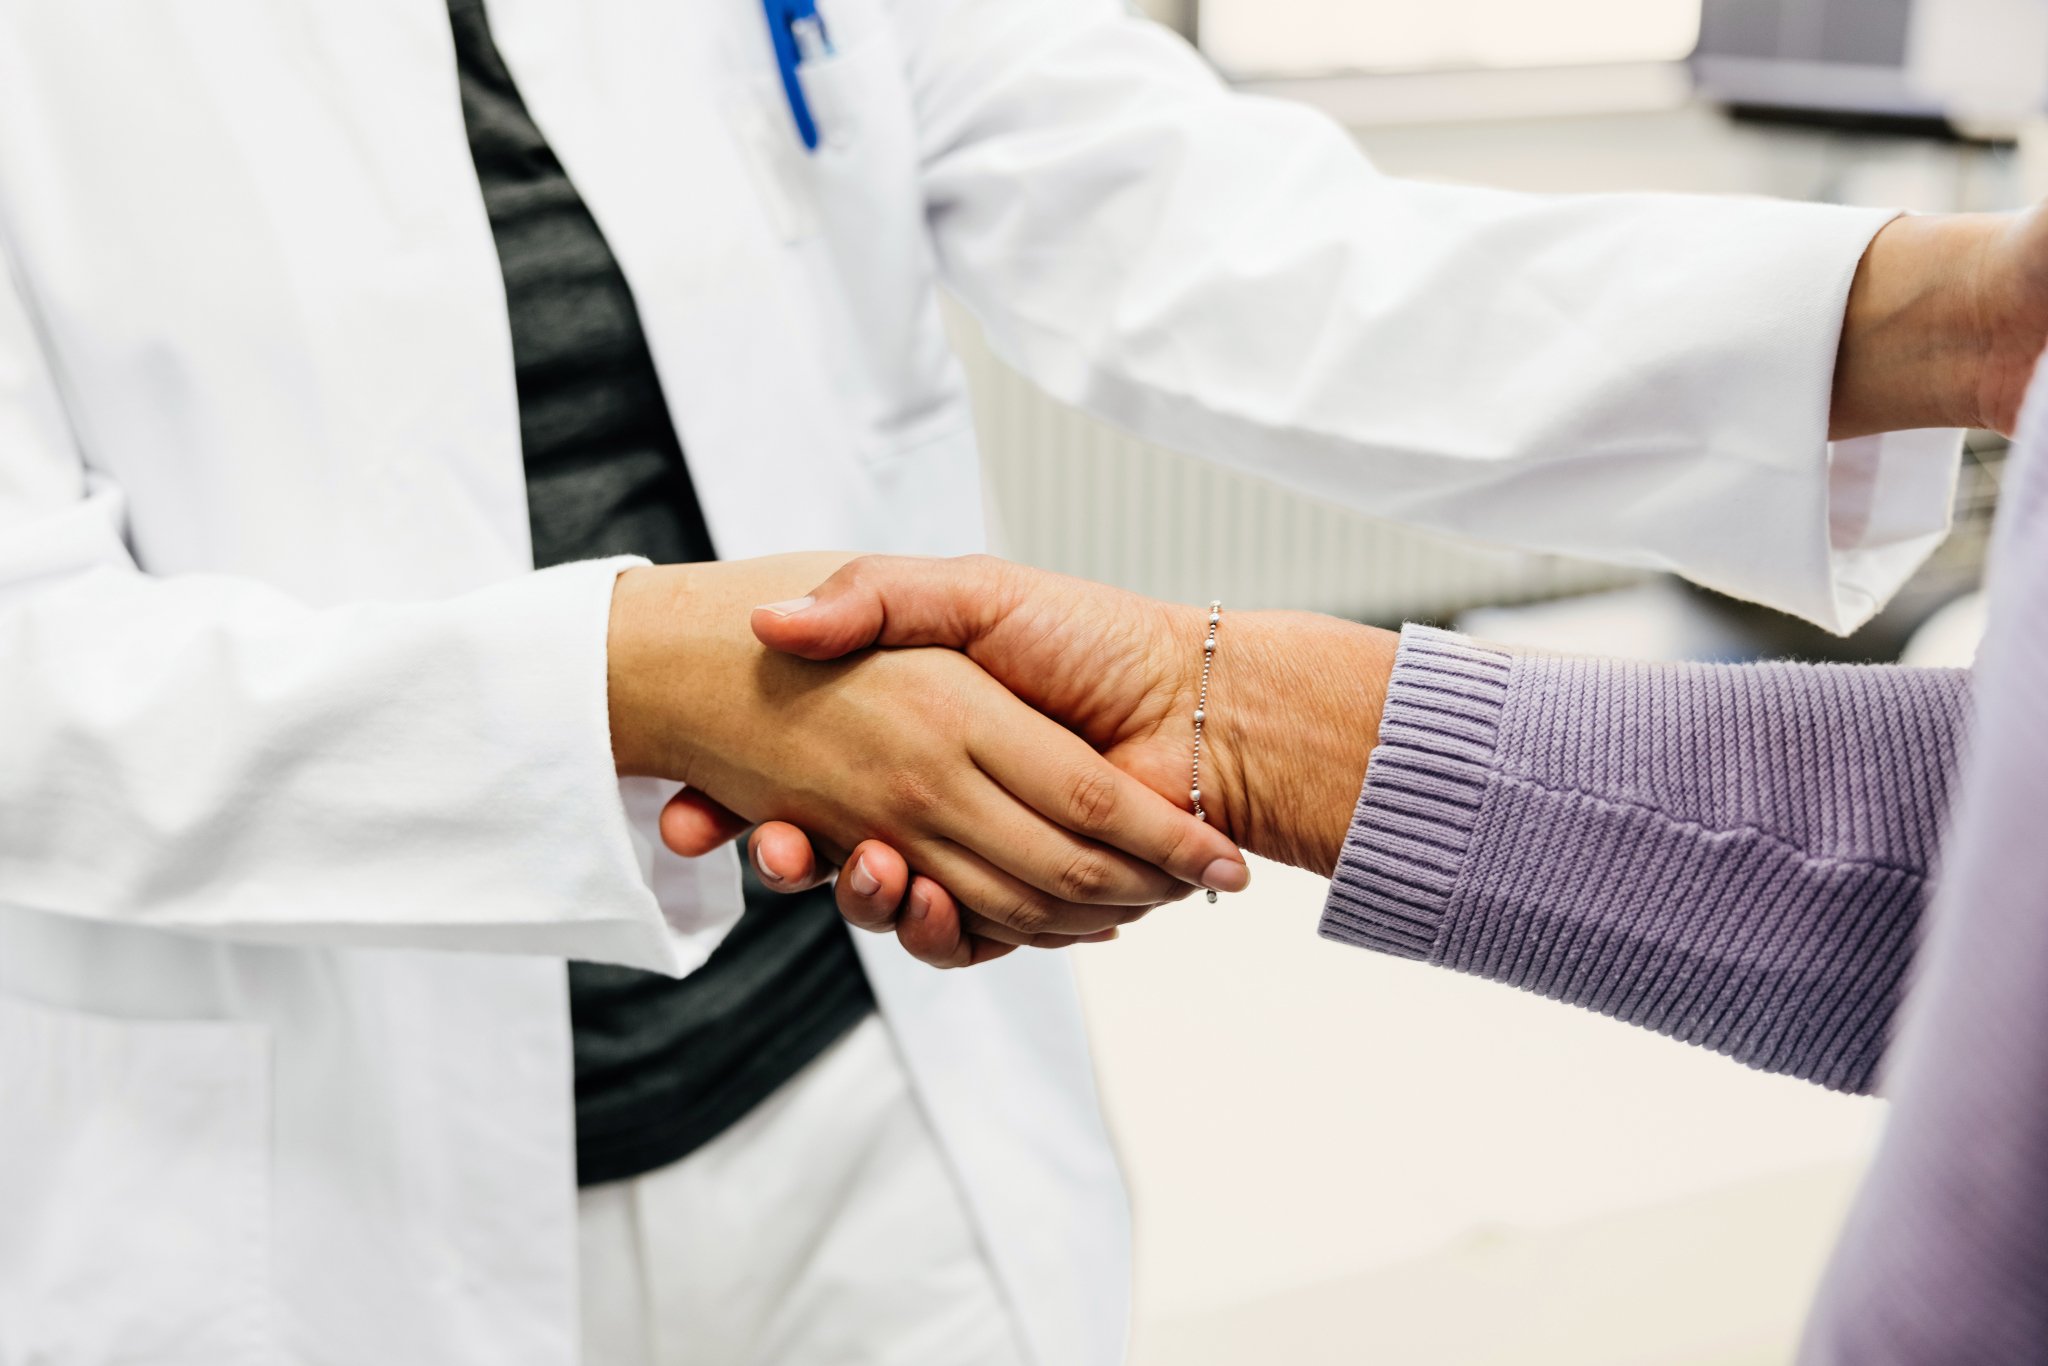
[1738, 856]
[1729, 855]
[1732, 855]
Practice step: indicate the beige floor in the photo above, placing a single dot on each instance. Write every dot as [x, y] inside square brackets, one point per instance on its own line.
[1339, 1158]
[1717, 1280]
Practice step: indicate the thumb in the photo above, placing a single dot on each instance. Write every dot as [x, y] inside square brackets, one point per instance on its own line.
[887, 600]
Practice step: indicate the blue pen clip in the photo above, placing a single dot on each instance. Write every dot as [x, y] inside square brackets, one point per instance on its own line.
[800, 37]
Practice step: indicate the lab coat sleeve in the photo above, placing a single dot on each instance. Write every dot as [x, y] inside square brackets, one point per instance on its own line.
[206, 754]
[1642, 379]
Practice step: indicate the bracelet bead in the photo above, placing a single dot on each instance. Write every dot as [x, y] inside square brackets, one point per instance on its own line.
[1202, 716]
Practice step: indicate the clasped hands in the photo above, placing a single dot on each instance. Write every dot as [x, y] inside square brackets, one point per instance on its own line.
[995, 757]
[991, 756]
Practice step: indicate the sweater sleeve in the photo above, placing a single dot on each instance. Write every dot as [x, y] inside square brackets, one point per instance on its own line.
[1736, 856]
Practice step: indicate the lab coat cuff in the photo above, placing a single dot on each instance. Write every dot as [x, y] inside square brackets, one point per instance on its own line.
[1890, 499]
[1826, 531]
[615, 915]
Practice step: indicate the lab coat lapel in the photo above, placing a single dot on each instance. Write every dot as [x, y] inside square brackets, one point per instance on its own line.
[642, 104]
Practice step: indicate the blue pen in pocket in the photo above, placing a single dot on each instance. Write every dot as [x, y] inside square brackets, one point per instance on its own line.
[800, 36]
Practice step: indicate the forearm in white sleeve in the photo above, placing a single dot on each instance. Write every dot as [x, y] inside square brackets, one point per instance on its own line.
[1636, 378]
[204, 753]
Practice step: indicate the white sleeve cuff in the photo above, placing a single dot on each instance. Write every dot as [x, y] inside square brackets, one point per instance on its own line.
[498, 824]
[513, 834]
[1889, 504]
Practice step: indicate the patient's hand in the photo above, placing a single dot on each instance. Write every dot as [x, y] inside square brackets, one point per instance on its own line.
[1294, 706]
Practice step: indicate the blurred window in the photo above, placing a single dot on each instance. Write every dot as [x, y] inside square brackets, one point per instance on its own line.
[1264, 38]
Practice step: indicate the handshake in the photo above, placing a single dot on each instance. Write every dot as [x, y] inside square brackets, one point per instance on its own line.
[992, 756]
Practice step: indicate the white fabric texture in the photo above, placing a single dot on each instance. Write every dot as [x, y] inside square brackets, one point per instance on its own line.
[273, 665]
[1642, 378]
[825, 1229]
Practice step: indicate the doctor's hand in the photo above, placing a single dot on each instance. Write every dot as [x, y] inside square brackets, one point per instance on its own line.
[1294, 708]
[918, 747]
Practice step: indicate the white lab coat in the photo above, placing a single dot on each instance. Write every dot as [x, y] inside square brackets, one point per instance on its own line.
[305, 786]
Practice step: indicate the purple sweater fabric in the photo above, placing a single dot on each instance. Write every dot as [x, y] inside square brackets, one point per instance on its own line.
[1733, 855]
[1740, 857]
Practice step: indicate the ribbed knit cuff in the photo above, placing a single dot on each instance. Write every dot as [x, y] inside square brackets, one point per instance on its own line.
[1413, 828]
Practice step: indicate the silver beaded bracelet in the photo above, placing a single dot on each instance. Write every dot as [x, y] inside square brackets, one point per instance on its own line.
[1201, 716]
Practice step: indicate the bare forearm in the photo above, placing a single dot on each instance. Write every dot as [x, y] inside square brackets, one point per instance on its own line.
[1296, 707]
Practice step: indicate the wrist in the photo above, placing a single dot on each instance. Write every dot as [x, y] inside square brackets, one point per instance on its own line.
[646, 606]
[1294, 711]
[685, 675]
[1917, 335]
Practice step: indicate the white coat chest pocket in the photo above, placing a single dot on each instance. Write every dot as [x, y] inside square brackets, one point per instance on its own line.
[133, 1190]
[852, 210]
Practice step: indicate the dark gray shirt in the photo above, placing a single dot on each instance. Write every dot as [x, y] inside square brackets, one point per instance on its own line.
[662, 1066]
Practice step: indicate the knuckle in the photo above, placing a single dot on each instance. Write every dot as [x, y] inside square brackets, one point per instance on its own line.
[912, 793]
[1173, 849]
[1028, 915]
[981, 565]
[872, 573]
[1091, 798]
[995, 576]
[1087, 877]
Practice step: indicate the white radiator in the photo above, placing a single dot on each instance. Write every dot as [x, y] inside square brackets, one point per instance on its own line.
[1071, 493]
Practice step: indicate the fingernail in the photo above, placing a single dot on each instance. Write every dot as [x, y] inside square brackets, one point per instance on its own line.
[920, 903]
[761, 866]
[790, 608]
[864, 882]
[1101, 936]
[1226, 875]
